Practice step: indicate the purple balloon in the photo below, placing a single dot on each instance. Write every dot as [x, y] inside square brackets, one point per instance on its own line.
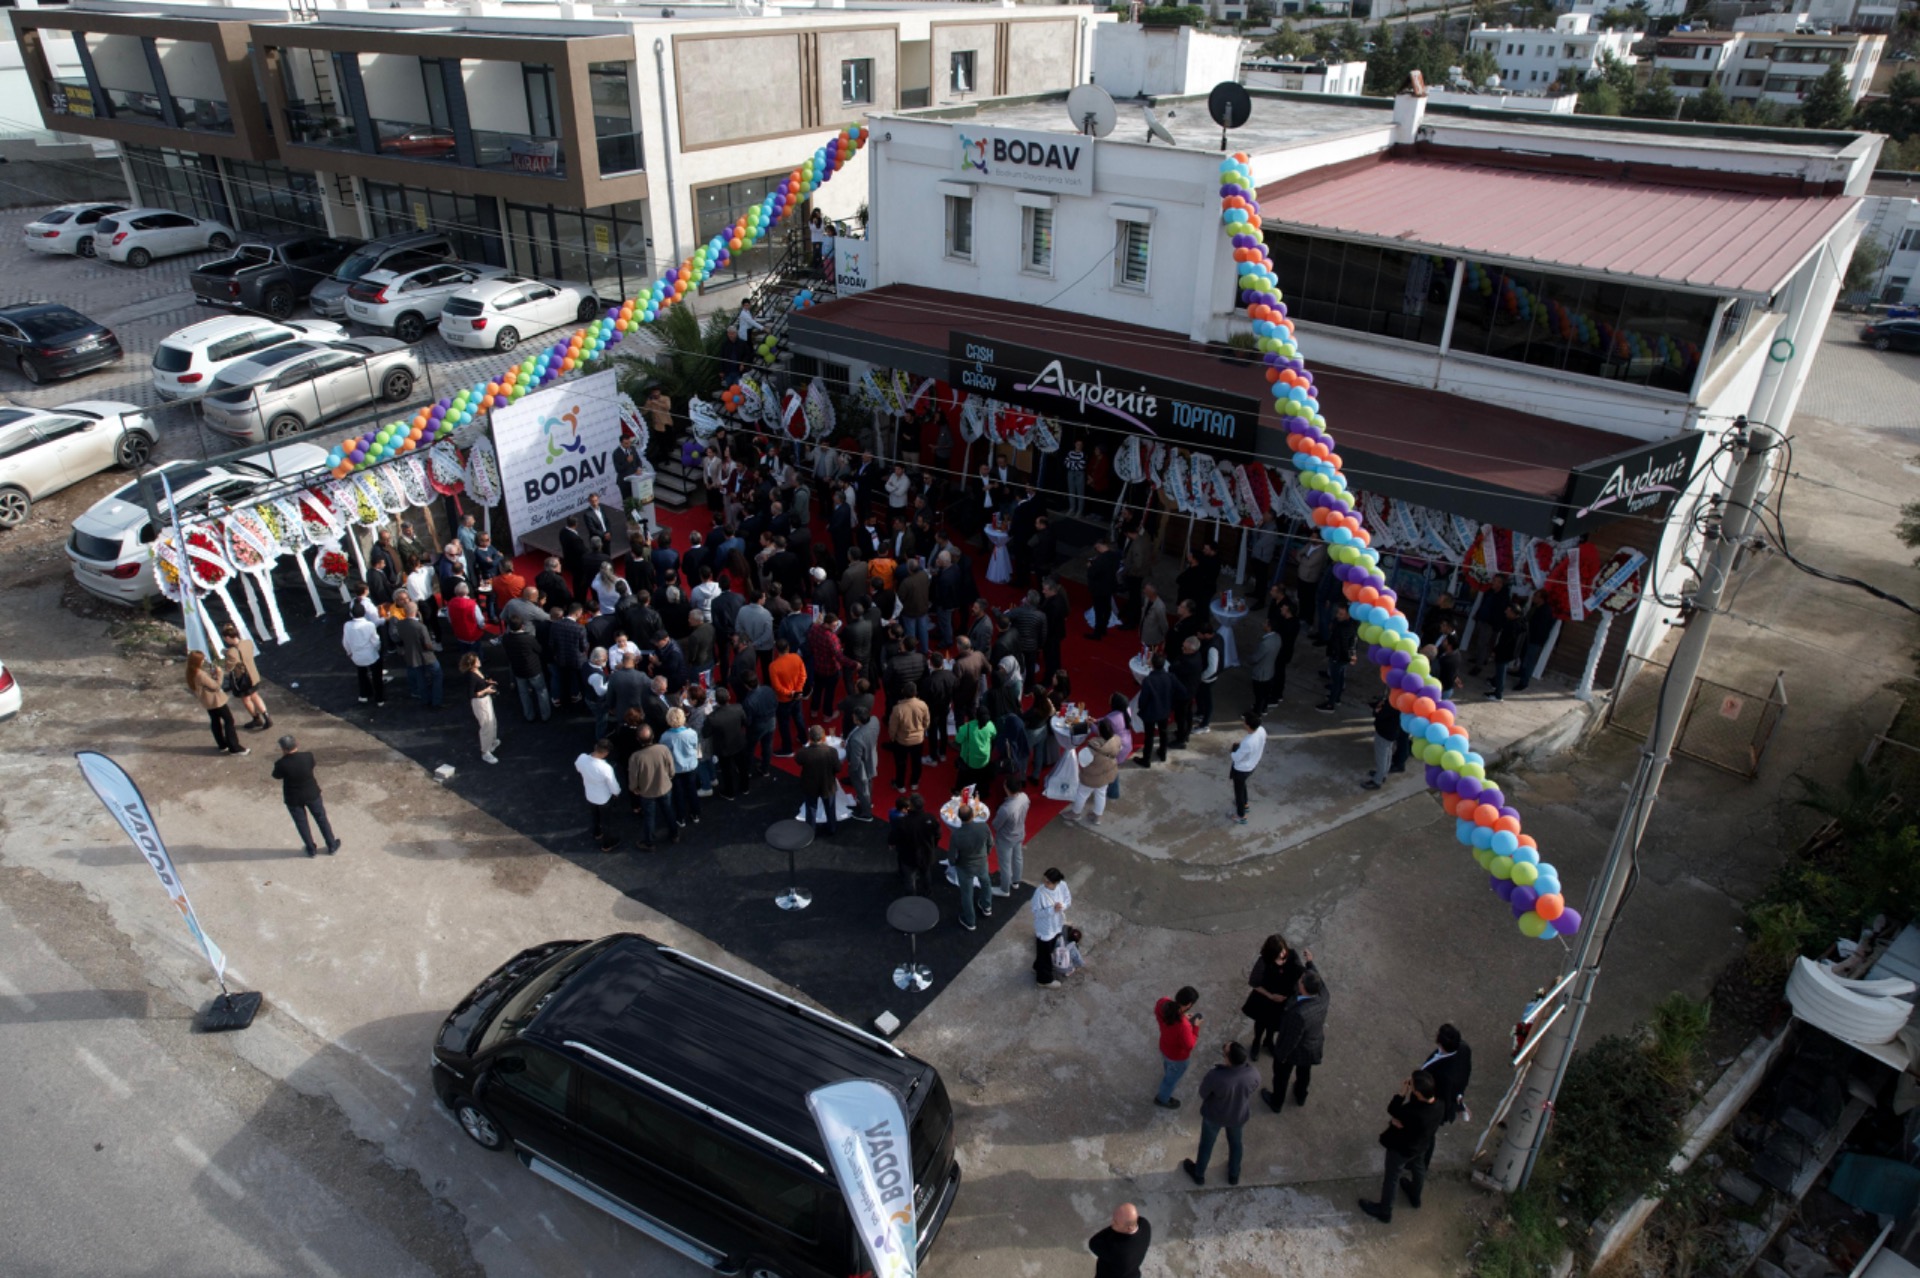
[1449, 781]
[1502, 886]
[1524, 897]
[1401, 660]
[1468, 787]
[1491, 794]
[1568, 923]
[1506, 810]
[1435, 774]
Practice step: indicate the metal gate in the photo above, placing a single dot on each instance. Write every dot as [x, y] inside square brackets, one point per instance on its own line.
[1721, 725]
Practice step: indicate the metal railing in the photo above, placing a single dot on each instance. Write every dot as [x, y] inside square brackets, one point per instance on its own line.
[519, 153]
[619, 153]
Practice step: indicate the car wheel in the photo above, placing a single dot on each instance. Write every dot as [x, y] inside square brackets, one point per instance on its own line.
[589, 309]
[139, 259]
[220, 241]
[1882, 344]
[85, 247]
[397, 385]
[761, 1269]
[508, 339]
[410, 328]
[15, 505]
[133, 451]
[478, 1127]
[279, 301]
[32, 371]
[285, 427]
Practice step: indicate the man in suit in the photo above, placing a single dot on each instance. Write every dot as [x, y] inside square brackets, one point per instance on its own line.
[294, 770]
[1103, 578]
[1152, 617]
[1413, 1116]
[594, 521]
[819, 788]
[1298, 1043]
[573, 554]
[1053, 602]
[840, 526]
[1451, 1065]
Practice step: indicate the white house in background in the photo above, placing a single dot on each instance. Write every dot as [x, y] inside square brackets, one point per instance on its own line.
[1890, 216]
[1858, 15]
[1133, 61]
[1533, 58]
[1346, 79]
[1780, 57]
[1555, 104]
[1596, 8]
[1695, 59]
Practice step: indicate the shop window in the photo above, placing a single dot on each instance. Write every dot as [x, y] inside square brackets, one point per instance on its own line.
[856, 82]
[613, 130]
[960, 227]
[719, 206]
[178, 180]
[960, 71]
[472, 223]
[270, 198]
[1036, 241]
[605, 247]
[1383, 291]
[1130, 254]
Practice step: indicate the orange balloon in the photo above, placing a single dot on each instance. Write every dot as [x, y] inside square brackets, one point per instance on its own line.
[1441, 715]
[1550, 907]
[1485, 814]
[1424, 706]
[1448, 801]
[1510, 824]
[1527, 841]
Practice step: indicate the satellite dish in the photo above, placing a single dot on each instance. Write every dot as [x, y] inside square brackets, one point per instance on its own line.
[1090, 107]
[1230, 106]
[1155, 129]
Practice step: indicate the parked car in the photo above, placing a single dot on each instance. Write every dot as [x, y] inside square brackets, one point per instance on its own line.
[600, 1065]
[390, 253]
[46, 340]
[108, 544]
[68, 229]
[405, 302]
[495, 314]
[9, 693]
[137, 236]
[1892, 335]
[285, 390]
[43, 450]
[184, 365]
[272, 274]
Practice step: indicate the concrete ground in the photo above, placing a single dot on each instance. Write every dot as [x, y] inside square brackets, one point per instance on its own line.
[360, 955]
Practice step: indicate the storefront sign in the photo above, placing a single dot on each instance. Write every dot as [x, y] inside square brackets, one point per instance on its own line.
[534, 155]
[555, 447]
[1060, 162]
[1643, 483]
[852, 265]
[1102, 394]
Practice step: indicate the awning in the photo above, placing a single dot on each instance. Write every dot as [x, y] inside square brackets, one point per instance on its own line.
[1740, 243]
[1481, 461]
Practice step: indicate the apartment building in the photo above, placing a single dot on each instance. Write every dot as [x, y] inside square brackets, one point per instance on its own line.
[1695, 59]
[1780, 56]
[569, 140]
[1890, 216]
[1310, 76]
[1533, 59]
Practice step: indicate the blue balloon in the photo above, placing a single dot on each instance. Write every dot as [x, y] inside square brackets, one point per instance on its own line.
[1433, 732]
[1457, 742]
[1482, 837]
[1506, 843]
[1463, 831]
[1529, 855]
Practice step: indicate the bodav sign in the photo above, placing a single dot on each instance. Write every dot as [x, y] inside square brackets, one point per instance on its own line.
[1036, 161]
[555, 447]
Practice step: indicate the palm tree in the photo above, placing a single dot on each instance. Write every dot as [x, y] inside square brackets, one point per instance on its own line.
[687, 363]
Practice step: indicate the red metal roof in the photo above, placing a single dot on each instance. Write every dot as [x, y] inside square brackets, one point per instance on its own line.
[1721, 241]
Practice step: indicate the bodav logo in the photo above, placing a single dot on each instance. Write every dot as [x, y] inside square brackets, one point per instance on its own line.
[561, 432]
[973, 155]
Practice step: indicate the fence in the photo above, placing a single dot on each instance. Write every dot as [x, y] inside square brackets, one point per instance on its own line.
[1721, 725]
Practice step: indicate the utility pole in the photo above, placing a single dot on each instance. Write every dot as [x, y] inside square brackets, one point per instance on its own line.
[1526, 1126]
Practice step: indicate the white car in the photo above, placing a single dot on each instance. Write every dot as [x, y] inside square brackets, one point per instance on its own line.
[43, 450]
[496, 314]
[109, 543]
[137, 236]
[185, 364]
[405, 302]
[9, 693]
[288, 389]
[68, 229]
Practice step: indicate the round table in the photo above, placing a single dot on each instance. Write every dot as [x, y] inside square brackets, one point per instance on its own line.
[1063, 782]
[791, 837]
[1141, 666]
[950, 812]
[999, 563]
[1226, 619]
[913, 915]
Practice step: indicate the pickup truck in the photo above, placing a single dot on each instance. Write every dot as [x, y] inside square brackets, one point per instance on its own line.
[271, 274]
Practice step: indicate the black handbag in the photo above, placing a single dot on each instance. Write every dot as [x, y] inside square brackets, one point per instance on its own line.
[226, 683]
[238, 682]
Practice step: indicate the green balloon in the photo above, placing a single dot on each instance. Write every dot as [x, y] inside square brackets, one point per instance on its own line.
[1533, 925]
[1418, 666]
[1451, 760]
[1478, 771]
[1501, 867]
[1525, 872]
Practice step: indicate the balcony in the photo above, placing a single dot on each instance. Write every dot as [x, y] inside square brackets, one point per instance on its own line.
[209, 115]
[409, 140]
[320, 124]
[73, 96]
[619, 153]
[135, 104]
[519, 153]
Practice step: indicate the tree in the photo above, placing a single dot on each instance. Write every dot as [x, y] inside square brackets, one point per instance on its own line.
[1897, 113]
[1863, 268]
[1710, 104]
[1174, 15]
[1909, 527]
[1480, 66]
[1618, 76]
[1829, 103]
[1656, 100]
[1287, 43]
[1599, 98]
[688, 362]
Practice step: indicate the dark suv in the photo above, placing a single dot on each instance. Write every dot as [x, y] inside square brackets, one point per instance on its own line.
[270, 274]
[673, 1095]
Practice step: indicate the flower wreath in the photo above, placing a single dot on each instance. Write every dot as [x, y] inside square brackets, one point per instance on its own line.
[483, 472]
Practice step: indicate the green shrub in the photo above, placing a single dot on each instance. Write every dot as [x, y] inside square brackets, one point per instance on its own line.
[1617, 1124]
[1679, 1031]
[1525, 1242]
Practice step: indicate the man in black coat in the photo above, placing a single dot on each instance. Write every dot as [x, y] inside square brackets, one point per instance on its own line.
[725, 733]
[1158, 693]
[593, 521]
[1342, 637]
[1413, 1116]
[1488, 609]
[573, 554]
[840, 526]
[553, 588]
[819, 769]
[294, 770]
[1451, 1065]
[1302, 1036]
[1053, 602]
[1103, 578]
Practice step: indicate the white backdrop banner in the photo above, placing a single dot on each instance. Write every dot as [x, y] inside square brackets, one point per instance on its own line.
[864, 1126]
[852, 265]
[556, 446]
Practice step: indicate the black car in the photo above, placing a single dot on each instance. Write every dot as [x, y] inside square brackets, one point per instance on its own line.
[270, 274]
[1892, 335]
[46, 340]
[672, 1095]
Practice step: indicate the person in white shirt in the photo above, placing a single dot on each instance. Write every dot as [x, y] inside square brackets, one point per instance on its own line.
[1051, 901]
[745, 324]
[1246, 757]
[596, 774]
[361, 639]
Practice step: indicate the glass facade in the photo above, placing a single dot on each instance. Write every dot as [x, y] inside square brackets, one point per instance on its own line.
[271, 199]
[1367, 289]
[606, 247]
[179, 180]
[473, 222]
[719, 206]
[614, 134]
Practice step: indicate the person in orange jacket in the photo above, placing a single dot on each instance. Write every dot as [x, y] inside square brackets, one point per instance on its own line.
[788, 674]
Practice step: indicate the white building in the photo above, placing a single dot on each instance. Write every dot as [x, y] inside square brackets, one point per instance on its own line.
[1695, 59]
[1533, 59]
[1341, 79]
[1484, 100]
[1597, 8]
[1890, 216]
[1779, 57]
[1487, 305]
[1135, 61]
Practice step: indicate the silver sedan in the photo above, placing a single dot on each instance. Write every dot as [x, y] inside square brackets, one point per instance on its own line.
[292, 388]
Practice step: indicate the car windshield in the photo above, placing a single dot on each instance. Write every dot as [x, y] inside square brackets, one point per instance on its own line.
[56, 217]
[930, 1128]
[8, 416]
[172, 359]
[518, 1011]
[53, 322]
[359, 264]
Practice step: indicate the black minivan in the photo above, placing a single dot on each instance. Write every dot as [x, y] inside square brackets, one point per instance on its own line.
[672, 1094]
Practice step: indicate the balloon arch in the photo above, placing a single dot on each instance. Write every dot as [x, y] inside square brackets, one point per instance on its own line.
[1483, 819]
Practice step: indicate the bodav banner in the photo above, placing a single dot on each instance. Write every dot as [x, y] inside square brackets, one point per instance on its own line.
[1061, 162]
[864, 1125]
[129, 807]
[555, 447]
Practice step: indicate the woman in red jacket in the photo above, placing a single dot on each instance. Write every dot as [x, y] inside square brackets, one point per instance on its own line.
[1179, 1031]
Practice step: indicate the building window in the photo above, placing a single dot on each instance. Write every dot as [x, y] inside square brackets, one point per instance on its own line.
[960, 227]
[473, 224]
[1388, 292]
[1909, 239]
[718, 207]
[617, 141]
[856, 82]
[1130, 255]
[1036, 241]
[178, 180]
[960, 72]
[542, 113]
[270, 199]
[605, 247]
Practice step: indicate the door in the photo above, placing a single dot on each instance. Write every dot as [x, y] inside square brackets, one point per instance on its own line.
[525, 1089]
[428, 291]
[65, 450]
[12, 340]
[547, 306]
[342, 381]
[28, 462]
[293, 392]
[177, 233]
